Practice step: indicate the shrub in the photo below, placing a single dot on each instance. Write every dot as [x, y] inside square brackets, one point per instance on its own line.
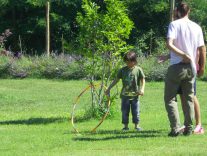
[153, 70]
[100, 110]
[61, 67]
[20, 68]
[4, 66]
[69, 67]
[74, 71]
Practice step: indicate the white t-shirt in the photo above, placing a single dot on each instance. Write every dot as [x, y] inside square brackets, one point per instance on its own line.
[187, 36]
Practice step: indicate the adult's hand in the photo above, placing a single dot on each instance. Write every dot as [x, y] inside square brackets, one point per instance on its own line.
[162, 58]
[186, 58]
[200, 72]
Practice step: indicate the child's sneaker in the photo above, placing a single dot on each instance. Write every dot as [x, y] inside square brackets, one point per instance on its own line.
[138, 128]
[198, 130]
[125, 129]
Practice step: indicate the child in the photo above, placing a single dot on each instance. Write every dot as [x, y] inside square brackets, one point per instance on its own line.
[133, 83]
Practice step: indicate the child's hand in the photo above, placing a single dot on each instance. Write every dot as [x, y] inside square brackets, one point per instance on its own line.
[141, 92]
[107, 91]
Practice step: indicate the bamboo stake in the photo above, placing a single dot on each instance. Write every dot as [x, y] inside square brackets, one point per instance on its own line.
[172, 7]
[48, 28]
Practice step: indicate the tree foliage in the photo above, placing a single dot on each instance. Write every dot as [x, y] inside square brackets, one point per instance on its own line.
[102, 39]
[26, 20]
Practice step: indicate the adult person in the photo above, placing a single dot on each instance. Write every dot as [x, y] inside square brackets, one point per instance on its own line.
[184, 38]
[198, 128]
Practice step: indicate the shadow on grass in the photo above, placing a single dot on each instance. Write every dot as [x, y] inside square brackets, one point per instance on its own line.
[117, 134]
[33, 121]
[82, 119]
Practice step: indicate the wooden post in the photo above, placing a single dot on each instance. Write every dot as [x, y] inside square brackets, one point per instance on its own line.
[20, 44]
[62, 40]
[172, 7]
[48, 28]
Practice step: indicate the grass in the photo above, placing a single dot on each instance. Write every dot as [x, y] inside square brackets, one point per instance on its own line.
[34, 120]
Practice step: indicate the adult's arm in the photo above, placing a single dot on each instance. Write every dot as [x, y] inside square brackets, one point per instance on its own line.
[170, 45]
[202, 60]
[163, 58]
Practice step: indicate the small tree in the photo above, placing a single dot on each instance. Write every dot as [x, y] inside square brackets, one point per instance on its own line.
[102, 41]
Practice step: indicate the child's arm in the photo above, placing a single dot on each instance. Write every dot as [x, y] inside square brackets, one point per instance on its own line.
[115, 81]
[142, 86]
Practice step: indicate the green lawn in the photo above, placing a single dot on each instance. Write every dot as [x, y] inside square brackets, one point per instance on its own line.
[34, 120]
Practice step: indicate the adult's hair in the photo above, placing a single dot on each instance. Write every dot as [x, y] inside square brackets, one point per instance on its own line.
[183, 9]
[130, 57]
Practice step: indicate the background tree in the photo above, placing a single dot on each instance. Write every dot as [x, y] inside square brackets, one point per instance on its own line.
[26, 19]
[151, 18]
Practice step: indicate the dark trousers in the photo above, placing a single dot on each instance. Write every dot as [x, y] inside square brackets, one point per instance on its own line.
[126, 104]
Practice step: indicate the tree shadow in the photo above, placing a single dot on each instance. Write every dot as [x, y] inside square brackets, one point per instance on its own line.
[117, 134]
[33, 121]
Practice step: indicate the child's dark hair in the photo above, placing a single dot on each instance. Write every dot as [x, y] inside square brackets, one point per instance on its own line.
[130, 57]
[183, 8]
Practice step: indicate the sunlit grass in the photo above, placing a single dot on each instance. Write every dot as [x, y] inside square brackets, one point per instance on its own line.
[34, 120]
